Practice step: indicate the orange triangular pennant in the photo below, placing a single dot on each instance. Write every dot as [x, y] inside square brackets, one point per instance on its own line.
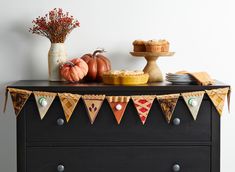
[168, 103]
[44, 101]
[93, 104]
[68, 102]
[19, 98]
[193, 101]
[217, 97]
[143, 105]
[118, 105]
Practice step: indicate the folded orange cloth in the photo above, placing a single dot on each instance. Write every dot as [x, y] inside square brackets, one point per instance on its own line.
[203, 78]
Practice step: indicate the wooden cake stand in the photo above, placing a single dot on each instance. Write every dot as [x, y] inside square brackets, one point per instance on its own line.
[155, 74]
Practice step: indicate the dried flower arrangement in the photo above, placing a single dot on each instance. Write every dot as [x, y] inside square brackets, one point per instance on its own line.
[55, 25]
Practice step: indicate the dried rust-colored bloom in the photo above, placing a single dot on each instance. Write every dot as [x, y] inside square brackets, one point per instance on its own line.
[55, 25]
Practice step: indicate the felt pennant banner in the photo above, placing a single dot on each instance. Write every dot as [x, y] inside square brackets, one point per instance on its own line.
[118, 105]
[68, 102]
[193, 101]
[93, 104]
[19, 98]
[44, 101]
[168, 103]
[217, 97]
[143, 105]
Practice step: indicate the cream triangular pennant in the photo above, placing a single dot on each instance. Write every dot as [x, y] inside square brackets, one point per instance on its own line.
[93, 104]
[143, 105]
[68, 102]
[168, 103]
[118, 105]
[193, 101]
[44, 101]
[19, 98]
[218, 97]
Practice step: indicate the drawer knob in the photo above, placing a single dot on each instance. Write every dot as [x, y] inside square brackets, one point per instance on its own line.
[176, 121]
[192, 102]
[42, 101]
[176, 167]
[60, 121]
[60, 168]
[118, 107]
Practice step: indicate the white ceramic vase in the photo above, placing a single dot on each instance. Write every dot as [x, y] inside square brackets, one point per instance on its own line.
[56, 56]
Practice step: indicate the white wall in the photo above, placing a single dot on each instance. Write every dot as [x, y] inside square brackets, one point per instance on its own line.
[201, 32]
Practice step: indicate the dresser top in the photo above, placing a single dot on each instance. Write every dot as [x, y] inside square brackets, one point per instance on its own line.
[44, 85]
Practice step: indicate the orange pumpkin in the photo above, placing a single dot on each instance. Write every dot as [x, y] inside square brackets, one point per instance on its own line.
[74, 70]
[97, 65]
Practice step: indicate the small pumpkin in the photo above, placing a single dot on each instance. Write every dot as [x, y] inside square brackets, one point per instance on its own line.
[74, 70]
[97, 65]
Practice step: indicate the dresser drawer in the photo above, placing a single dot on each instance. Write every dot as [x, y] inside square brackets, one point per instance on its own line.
[106, 129]
[116, 159]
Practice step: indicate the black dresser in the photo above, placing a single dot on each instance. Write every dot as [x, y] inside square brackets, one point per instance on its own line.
[53, 145]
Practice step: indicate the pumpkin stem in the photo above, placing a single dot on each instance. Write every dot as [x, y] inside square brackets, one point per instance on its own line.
[98, 51]
[69, 63]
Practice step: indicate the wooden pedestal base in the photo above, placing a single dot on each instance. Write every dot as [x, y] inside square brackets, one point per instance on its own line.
[155, 74]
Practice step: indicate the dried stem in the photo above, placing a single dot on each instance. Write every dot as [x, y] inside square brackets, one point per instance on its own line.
[55, 25]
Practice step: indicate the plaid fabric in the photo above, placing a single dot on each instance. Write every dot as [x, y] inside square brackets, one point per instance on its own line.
[68, 102]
